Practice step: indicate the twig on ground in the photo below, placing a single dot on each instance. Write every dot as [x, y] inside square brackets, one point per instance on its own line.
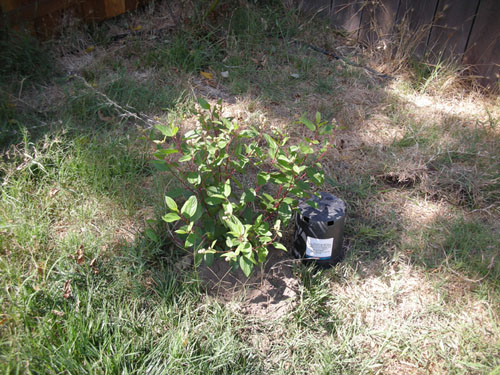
[125, 113]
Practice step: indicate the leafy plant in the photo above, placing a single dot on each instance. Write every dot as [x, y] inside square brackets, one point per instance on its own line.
[224, 213]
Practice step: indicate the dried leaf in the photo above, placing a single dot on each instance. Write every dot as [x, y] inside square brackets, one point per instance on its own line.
[104, 118]
[3, 321]
[93, 266]
[89, 49]
[492, 263]
[137, 28]
[207, 75]
[40, 269]
[57, 312]
[53, 192]
[80, 258]
[67, 289]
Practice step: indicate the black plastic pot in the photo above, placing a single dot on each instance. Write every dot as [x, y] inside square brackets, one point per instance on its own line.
[319, 231]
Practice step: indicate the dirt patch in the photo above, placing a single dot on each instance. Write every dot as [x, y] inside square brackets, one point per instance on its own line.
[269, 292]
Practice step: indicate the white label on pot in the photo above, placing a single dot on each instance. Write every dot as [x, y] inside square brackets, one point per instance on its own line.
[318, 247]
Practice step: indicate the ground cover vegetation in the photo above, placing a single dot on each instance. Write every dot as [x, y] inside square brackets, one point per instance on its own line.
[92, 280]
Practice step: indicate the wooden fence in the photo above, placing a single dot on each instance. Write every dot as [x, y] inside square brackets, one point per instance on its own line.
[43, 16]
[468, 30]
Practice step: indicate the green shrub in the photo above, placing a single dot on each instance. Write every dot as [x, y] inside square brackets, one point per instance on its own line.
[223, 212]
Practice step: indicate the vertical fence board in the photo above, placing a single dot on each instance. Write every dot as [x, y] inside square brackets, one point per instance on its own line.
[93, 10]
[419, 15]
[36, 9]
[347, 14]
[451, 27]
[483, 49]
[114, 7]
[377, 20]
[47, 14]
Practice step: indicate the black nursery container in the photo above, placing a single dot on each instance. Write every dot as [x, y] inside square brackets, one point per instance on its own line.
[319, 232]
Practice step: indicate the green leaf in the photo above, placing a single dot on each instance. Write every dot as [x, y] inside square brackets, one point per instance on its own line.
[167, 130]
[262, 254]
[268, 197]
[298, 169]
[170, 217]
[235, 226]
[244, 248]
[248, 196]
[316, 177]
[262, 178]
[270, 141]
[164, 152]
[203, 103]
[246, 265]
[191, 240]
[279, 246]
[198, 257]
[151, 234]
[318, 117]
[182, 230]
[214, 201]
[189, 207]
[193, 178]
[285, 212]
[171, 204]
[208, 258]
[160, 165]
[185, 158]
[228, 208]
[307, 123]
[305, 148]
[326, 129]
[227, 188]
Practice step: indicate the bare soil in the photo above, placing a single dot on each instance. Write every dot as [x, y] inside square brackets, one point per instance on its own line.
[270, 291]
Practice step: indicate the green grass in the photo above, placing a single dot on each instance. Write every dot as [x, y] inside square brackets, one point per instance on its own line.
[80, 206]
[25, 59]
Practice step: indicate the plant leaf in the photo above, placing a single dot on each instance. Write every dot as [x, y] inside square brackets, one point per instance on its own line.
[171, 204]
[279, 246]
[170, 217]
[203, 103]
[189, 207]
[309, 125]
[246, 265]
[227, 188]
[151, 234]
[207, 75]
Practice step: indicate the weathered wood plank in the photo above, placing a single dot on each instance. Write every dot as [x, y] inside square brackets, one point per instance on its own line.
[451, 28]
[35, 9]
[419, 16]
[347, 14]
[483, 49]
[114, 7]
[377, 20]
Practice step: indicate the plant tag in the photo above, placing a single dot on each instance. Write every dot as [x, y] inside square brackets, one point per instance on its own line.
[319, 248]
